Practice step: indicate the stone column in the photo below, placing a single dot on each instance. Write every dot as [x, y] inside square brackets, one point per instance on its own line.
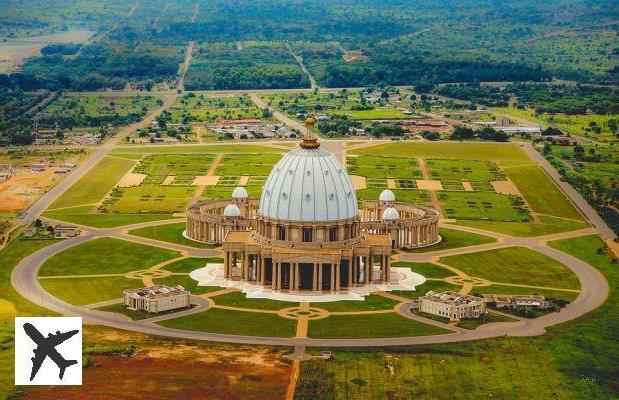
[338, 271]
[274, 275]
[332, 276]
[291, 277]
[262, 270]
[279, 276]
[349, 284]
[320, 277]
[315, 278]
[245, 266]
[297, 277]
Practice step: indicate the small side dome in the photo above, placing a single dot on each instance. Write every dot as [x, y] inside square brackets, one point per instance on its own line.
[239, 193]
[391, 214]
[232, 210]
[386, 195]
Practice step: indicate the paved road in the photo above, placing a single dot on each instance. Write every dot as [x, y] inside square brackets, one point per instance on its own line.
[37, 208]
[594, 290]
[588, 211]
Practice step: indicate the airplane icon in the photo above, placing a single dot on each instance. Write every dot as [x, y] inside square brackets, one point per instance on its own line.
[46, 347]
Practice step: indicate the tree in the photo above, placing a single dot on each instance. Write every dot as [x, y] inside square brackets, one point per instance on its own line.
[429, 135]
[551, 131]
[462, 133]
[38, 223]
[547, 149]
[579, 152]
[613, 126]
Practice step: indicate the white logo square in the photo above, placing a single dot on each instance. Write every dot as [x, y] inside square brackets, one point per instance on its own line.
[48, 351]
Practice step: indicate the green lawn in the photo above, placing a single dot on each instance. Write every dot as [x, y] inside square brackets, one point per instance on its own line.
[545, 226]
[574, 360]
[515, 265]
[461, 151]
[371, 302]
[186, 282]
[384, 167]
[463, 170]
[409, 195]
[369, 325]
[172, 233]
[240, 300]
[105, 256]
[247, 164]
[82, 215]
[95, 184]
[187, 265]
[453, 238]
[82, 291]
[482, 205]
[421, 290]
[429, 270]
[235, 323]
[150, 198]
[541, 193]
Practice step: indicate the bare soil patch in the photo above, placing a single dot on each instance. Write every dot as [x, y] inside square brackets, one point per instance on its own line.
[358, 182]
[426, 184]
[168, 180]
[467, 186]
[205, 180]
[505, 187]
[131, 179]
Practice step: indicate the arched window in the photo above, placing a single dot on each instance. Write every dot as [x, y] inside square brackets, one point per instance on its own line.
[307, 234]
[281, 234]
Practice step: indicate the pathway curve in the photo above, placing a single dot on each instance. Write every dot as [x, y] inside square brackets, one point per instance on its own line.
[594, 290]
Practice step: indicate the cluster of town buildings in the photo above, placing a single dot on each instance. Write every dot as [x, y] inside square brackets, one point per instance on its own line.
[54, 137]
[250, 129]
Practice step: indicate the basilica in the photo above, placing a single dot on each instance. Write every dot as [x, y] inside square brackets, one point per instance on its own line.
[307, 232]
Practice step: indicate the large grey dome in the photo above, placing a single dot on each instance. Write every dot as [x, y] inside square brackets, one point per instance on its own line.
[308, 184]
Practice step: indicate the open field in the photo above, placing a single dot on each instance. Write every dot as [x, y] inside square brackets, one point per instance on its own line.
[95, 184]
[240, 300]
[370, 325]
[123, 151]
[544, 226]
[121, 256]
[186, 265]
[235, 323]
[463, 170]
[149, 198]
[82, 291]
[482, 206]
[86, 215]
[371, 302]
[541, 193]
[384, 167]
[515, 265]
[502, 154]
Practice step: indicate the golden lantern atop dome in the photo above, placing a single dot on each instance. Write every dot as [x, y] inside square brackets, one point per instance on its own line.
[309, 121]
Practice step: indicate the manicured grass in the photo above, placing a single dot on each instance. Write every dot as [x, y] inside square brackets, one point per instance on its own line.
[371, 302]
[503, 289]
[421, 290]
[545, 226]
[184, 167]
[186, 282]
[482, 205]
[369, 325]
[384, 167]
[453, 238]
[240, 300]
[429, 270]
[105, 256]
[95, 184]
[82, 216]
[172, 233]
[201, 108]
[461, 151]
[247, 164]
[137, 314]
[150, 198]
[82, 291]
[463, 170]
[189, 264]
[574, 360]
[515, 265]
[371, 114]
[235, 323]
[541, 193]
